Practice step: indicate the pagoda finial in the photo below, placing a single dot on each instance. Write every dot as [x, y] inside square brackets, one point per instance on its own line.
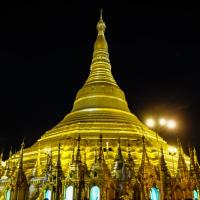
[101, 14]
[101, 25]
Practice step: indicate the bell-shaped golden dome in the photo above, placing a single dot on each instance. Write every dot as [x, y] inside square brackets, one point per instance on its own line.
[100, 104]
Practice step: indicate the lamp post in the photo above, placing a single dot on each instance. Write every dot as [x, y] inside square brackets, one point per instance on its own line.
[172, 152]
[160, 123]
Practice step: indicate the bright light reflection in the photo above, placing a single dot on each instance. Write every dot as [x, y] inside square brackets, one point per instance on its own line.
[172, 150]
[171, 124]
[150, 122]
[162, 122]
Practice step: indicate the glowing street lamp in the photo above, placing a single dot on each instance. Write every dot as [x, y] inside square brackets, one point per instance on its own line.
[162, 122]
[171, 124]
[172, 151]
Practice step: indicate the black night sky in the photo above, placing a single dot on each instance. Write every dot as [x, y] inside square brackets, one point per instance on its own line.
[46, 51]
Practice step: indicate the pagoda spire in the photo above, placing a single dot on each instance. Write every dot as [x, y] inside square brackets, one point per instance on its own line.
[164, 176]
[130, 164]
[145, 158]
[130, 159]
[100, 89]
[182, 170]
[19, 179]
[194, 169]
[49, 165]
[1, 167]
[59, 174]
[101, 157]
[78, 151]
[163, 164]
[118, 163]
[37, 171]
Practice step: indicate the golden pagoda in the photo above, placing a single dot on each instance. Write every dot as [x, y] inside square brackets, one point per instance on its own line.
[100, 150]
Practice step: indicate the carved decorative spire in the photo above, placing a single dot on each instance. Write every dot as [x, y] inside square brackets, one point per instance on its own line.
[19, 179]
[1, 157]
[58, 163]
[1, 167]
[163, 164]
[182, 170]
[101, 157]
[194, 172]
[85, 158]
[118, 163]
[37, 171]
[130, 164]
[130, 159]
[72, 155]
[145, 158]
[78, 151]
[20, 164]
[49, 164]
[59, 175]
[10, 153]
[164, 176]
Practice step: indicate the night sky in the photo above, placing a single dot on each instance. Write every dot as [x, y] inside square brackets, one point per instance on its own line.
[46, 51]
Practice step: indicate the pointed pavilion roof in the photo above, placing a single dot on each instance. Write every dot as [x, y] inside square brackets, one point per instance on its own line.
[163, 164]
[37, 170]
[19, 178]
[182, 170]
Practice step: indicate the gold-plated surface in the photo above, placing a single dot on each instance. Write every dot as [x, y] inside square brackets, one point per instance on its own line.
[100, 107]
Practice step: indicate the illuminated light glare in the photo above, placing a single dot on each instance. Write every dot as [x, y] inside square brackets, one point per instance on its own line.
[107, 144]
[172, 150]
[47, 150]
[171, 124]
[3, 163]
[150, 122]
[162, 122]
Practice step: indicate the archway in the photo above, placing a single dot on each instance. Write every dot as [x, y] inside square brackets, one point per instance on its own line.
[8, 194]
[196, 194]
[69, 193]
[95, 193]
[47, 194]
[154, 193]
